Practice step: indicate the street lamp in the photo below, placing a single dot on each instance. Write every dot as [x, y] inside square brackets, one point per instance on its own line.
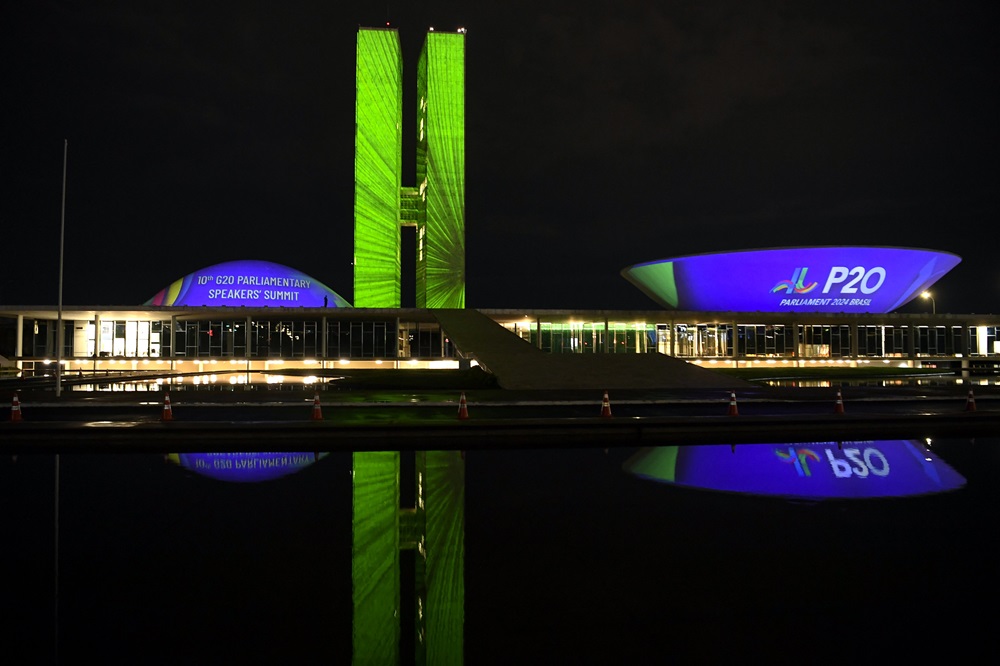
[927, 294]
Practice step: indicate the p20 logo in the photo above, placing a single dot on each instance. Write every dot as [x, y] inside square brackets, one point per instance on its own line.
[851, 280]
[867, 281]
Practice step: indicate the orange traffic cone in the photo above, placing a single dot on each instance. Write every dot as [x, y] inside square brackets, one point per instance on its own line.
[168, 413]
[15, 409]
[838, 408]
[733, 409]
[606, 406]
[463, 409]
[317, 411]
[970, 402]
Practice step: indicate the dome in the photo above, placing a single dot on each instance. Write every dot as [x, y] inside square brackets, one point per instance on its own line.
[249, 283]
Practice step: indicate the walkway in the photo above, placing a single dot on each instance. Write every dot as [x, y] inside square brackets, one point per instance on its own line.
[518, 365]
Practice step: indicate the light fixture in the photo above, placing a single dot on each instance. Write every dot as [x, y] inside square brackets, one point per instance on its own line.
[927, 294]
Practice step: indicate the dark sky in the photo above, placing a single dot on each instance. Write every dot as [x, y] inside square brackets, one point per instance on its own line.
[599, 135]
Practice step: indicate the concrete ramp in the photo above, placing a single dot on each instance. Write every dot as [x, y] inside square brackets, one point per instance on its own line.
[518, 365]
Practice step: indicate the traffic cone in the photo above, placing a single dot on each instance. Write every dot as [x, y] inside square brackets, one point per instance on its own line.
[733, 409]
[463, 409]
[970, 402]
[15, 409]
[168, 413]
[606, 406]
[317, 411]
[839, 407]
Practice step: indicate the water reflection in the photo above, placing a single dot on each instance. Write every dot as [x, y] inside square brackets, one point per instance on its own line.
[244, 467]
[340, 562]
[806, 470]
[408, 546]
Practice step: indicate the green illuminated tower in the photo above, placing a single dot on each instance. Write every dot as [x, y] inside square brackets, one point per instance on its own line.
[378, 147]
[436, 205]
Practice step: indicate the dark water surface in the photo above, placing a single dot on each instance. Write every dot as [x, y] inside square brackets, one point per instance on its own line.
[568, 559]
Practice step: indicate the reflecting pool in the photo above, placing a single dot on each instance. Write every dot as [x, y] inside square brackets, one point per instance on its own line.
[543, 556]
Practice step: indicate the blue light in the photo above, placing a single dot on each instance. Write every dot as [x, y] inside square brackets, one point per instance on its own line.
[818, 279]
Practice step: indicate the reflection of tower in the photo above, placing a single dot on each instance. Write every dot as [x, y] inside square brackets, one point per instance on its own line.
[435, 529]
[436, 204]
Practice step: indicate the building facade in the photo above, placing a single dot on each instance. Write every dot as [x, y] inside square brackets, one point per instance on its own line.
[175, 340]
[435, 204]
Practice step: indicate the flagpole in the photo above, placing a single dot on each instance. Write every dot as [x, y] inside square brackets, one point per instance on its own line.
[59, 352]
[62, 235]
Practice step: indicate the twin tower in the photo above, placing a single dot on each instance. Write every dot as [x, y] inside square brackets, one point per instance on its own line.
[436, 204]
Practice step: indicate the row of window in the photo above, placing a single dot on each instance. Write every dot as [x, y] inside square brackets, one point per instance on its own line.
[382, 339]
[237, 338]
[718, 340]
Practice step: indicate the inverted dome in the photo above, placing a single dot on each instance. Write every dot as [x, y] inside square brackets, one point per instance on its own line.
[249, 283]
[805, 470]
[796, 279]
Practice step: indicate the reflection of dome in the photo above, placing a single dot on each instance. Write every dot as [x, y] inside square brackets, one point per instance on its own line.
[793, 279]
[245, 467]
[805, 470]
[250, 283]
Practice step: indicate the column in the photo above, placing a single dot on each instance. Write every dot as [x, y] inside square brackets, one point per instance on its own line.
[19, 343]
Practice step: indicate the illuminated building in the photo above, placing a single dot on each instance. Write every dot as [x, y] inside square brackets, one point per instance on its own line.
[722, 310]
[844, 279]
[435, 205]
[248, 284]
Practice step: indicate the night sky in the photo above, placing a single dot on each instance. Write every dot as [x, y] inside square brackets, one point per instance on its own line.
[599, 135]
